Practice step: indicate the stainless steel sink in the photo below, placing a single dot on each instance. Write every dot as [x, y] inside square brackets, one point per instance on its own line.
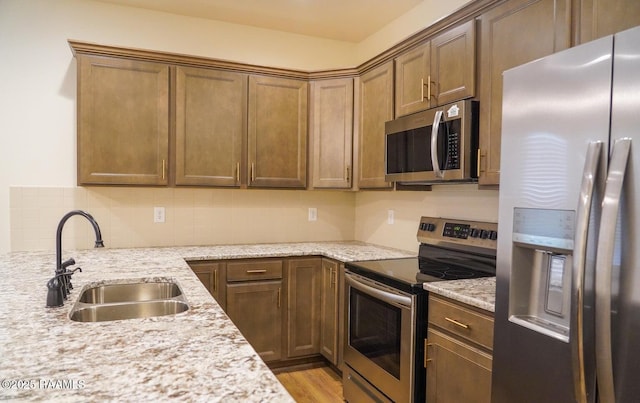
[145, 309]
[131, 292]
[129, 300]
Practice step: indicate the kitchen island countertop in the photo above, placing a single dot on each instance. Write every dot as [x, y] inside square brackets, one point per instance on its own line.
[479, 292]
[198, 355]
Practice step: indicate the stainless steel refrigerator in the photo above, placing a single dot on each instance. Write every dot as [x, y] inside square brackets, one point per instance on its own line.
[567, 319]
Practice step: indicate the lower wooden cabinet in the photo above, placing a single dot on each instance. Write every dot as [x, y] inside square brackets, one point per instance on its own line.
[212, 276]
[278, 304]
[254, 303]
[329, 311]
[255, 308]
[458, 352]
[303, 306]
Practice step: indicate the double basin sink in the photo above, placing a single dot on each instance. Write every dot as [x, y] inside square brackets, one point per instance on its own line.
[129, 299]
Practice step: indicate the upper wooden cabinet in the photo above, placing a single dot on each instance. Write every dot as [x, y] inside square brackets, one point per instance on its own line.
[437, 72]
[211, 127]
[513, 33]
[123, 121]
[374, 105]
[277, 132]
[600, 18]
[331, 133]
[413, 73]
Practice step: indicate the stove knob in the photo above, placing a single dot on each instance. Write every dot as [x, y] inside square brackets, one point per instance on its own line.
[493, 235]
[423, 226]
[431, 227]
[474, 233]
[484, 234]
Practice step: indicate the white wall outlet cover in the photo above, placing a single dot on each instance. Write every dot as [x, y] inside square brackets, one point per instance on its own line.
[313, 214]
[158, 214]
[390, 216]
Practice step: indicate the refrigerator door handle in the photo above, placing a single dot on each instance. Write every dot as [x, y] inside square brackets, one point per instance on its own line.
[589, 174]
[435, 130]
[604, 260]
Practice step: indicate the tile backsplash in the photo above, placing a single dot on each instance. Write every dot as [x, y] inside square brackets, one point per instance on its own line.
[192, 216]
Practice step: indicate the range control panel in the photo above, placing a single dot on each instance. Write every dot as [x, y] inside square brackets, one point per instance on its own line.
[438, 230]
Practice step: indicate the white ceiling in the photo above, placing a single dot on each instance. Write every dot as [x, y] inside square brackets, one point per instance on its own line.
[344, 20]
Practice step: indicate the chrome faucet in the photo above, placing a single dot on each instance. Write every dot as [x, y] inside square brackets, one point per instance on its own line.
[60, 285]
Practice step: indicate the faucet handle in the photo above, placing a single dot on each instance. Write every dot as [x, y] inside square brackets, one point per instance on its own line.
[69, 262]
[55, 296]
[68, 275]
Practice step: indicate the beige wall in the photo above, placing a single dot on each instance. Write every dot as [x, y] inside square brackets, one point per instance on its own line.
[451, 201]
[38, 104]
[193, 216]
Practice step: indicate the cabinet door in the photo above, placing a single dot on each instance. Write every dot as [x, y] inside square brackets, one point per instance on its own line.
[600, 18]
[453, 64]
[123, 121]
[456, 372]
[412, 77]
[331, 124]
[514, 33]
[255, 309]
[303, 306]
[212, 276]
[329, 312]
[211, 116]
[277, 132]
[375, 107]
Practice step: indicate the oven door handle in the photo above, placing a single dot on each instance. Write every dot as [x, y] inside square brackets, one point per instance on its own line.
[382, 295]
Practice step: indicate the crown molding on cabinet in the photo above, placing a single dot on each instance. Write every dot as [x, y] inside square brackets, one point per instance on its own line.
[465, 13]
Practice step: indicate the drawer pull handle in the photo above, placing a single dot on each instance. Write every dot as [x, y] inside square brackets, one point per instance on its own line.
[455, 322]
[260, 271]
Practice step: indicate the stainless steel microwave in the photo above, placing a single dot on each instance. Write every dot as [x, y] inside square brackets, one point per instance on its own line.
[433, 146]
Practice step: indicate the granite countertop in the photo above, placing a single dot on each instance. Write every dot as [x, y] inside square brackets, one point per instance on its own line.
[479, 292]
[198, 355]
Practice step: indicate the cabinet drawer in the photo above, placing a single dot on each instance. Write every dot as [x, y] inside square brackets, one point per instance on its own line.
[254, 270]
[461, 321]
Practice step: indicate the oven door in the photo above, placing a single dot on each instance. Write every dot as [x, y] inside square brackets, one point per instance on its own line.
[380, 337]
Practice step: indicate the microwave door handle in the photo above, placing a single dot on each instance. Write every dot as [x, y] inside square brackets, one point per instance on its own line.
[589, 175]
[435, 130]
[604, 262]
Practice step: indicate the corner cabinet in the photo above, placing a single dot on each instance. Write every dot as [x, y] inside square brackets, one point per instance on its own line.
[277, 126]
[331, 133]
[513, 33]
[123, 121]
[374, 106]
[459, 341]
[437, 72]
[210, 127]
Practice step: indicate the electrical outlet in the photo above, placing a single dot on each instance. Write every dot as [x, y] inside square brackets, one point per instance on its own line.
[313, 214]
[390, 217]
[158, 214]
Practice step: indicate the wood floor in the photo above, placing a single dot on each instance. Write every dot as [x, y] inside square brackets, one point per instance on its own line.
[316, 385]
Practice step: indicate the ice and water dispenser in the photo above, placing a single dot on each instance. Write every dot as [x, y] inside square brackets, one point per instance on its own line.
[540, 280]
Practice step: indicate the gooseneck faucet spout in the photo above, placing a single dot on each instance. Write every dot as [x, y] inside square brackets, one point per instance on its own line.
[63, 220]
[60, 285]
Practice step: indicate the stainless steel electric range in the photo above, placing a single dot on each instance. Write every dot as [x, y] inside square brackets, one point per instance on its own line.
[386, 307]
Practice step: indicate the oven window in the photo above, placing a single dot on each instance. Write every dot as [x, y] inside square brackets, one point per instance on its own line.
[374, 330]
